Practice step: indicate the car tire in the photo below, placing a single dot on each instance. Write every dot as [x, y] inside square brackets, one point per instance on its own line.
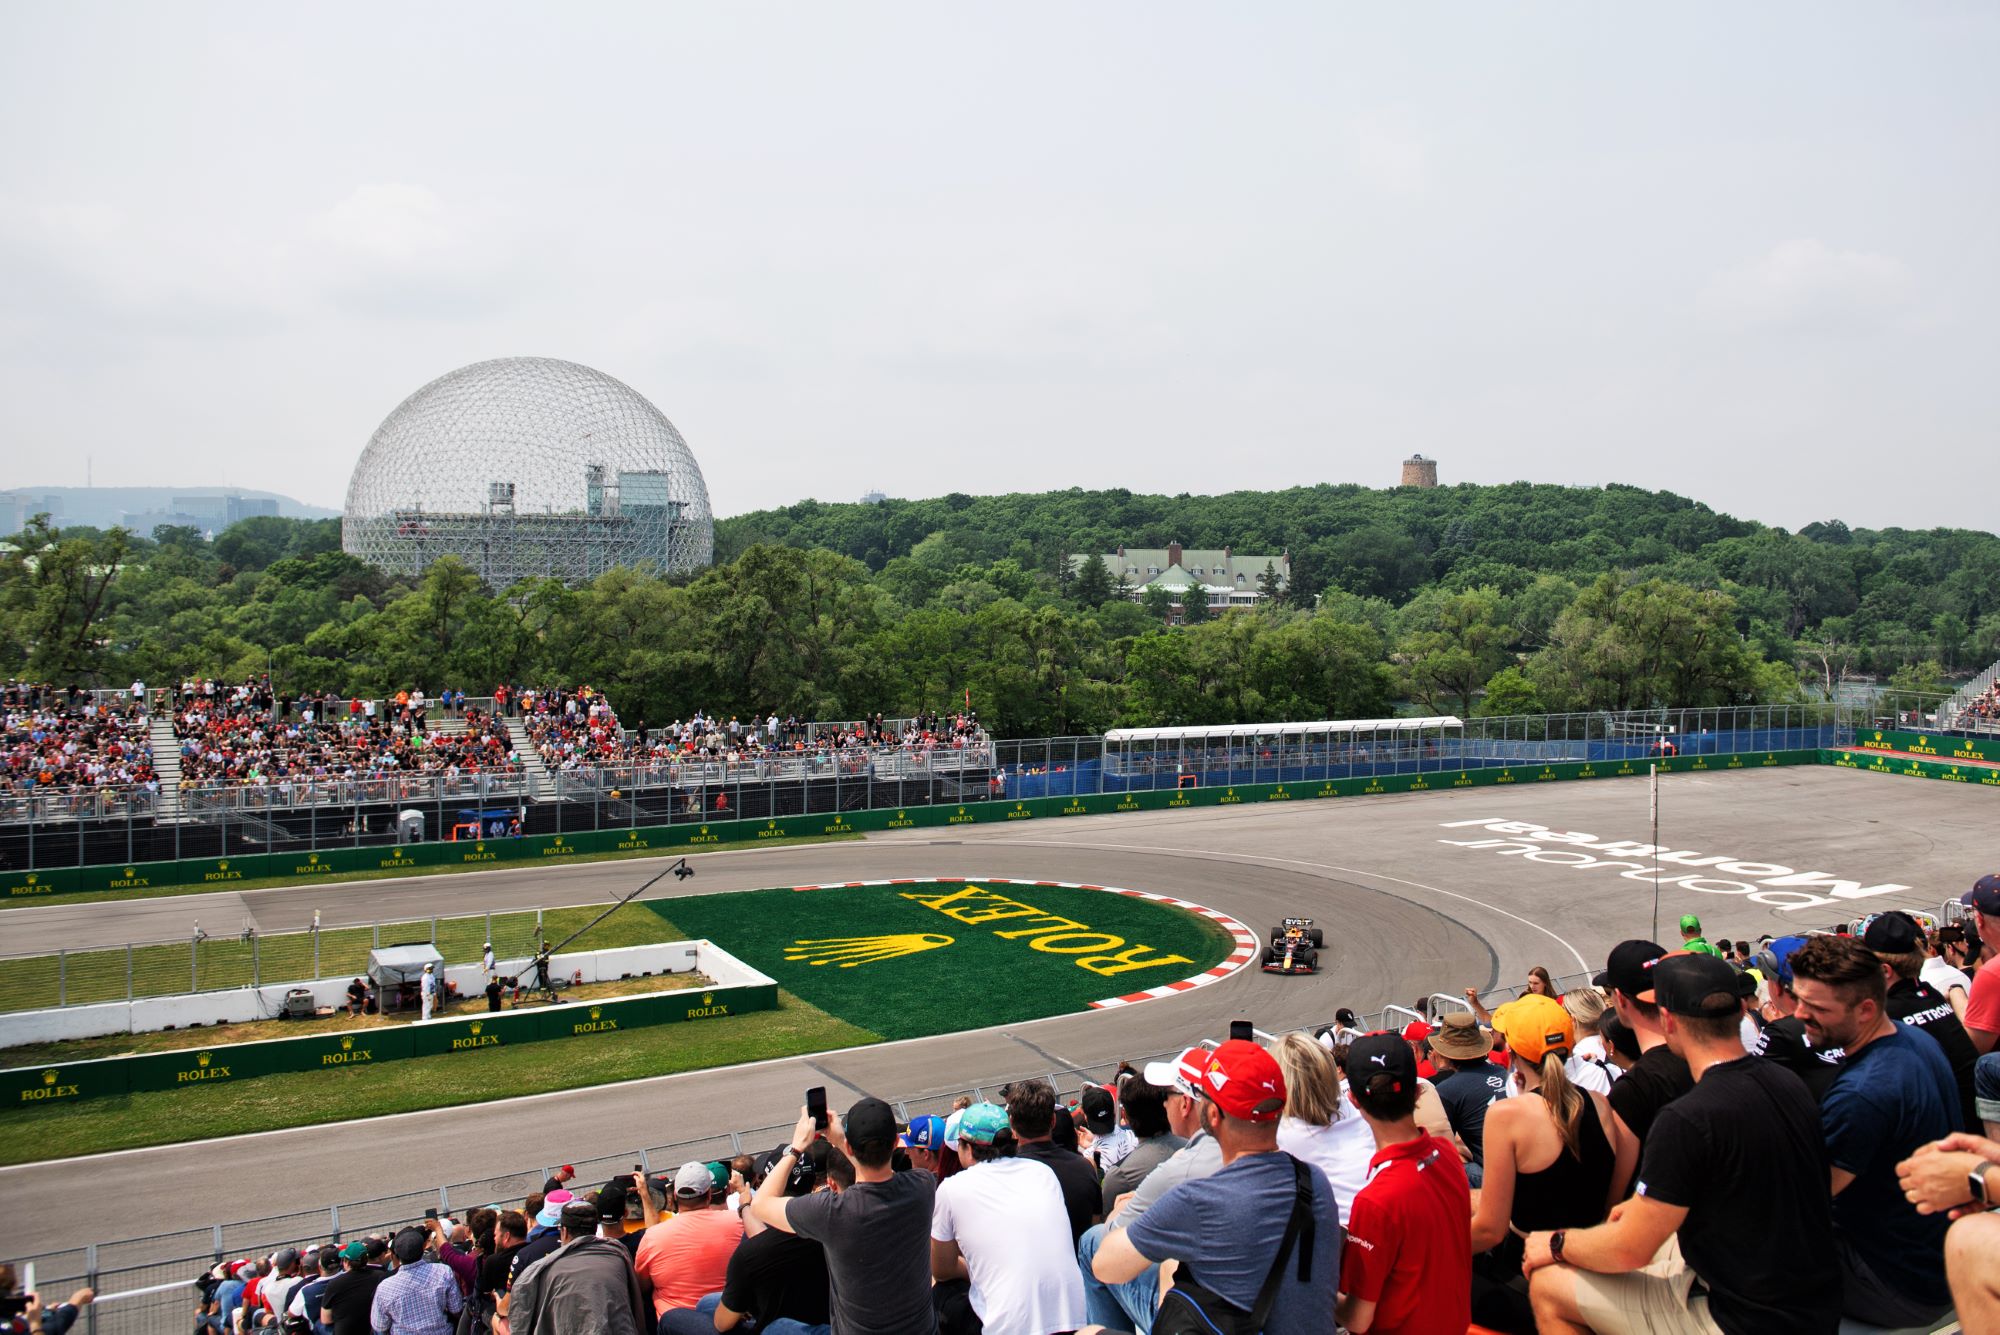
[1309, 959]
[1316, 937]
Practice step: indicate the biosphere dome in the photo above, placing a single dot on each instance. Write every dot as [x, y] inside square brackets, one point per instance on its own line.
[525, 467]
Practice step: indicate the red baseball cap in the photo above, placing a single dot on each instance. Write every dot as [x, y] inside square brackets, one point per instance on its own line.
[1416, 1030]
[1244, 1081]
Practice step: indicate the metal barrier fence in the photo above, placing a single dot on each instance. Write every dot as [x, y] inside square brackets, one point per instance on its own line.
[231, 958]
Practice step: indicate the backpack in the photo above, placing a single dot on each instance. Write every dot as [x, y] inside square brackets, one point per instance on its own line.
[1193, 1309]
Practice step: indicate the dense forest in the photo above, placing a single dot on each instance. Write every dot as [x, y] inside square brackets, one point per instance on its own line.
[1466, 599]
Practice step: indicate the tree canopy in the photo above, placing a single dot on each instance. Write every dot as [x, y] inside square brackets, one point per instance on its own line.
[1459, 599]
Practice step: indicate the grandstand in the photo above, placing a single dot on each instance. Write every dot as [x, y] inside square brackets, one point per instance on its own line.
[1975, 708]
[212, 769]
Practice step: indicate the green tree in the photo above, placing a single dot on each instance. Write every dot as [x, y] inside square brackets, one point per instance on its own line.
[1452, 642]
[1509, 692]
[1270, 586]
[55, 587]
[1194, 604]
[1092, 586]
[1645, 645]
[1159, 602]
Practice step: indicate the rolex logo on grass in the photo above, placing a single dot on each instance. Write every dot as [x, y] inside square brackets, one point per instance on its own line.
[848, 951]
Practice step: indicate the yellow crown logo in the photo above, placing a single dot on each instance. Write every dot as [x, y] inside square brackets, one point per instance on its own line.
[313, 858]
[596, 1011]
[31, 877]
[848, 951]
[131, 871]
[48, 1077]
[558, 839]
[202, 1059]
[704, 829]
[223, 865]
[347, 1044]
[708, 998]
[479, 847]
[478, 1025]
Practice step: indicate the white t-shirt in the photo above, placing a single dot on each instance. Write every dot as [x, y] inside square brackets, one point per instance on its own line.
[1943, 978]
[1340, 1149]
[1008, 1220]
[1590, 1075]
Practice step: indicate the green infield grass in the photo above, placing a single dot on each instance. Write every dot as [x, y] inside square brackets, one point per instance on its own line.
[937, 957]
[311, 1097]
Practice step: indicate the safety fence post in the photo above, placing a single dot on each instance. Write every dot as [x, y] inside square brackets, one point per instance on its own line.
[128, 972]
[256, 974]
[62, 978]
[333, 1222]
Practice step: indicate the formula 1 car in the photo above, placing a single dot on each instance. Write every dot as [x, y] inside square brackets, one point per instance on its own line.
[1294, 947]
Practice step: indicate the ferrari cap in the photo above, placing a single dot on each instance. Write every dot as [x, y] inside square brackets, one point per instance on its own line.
[1244, 1081]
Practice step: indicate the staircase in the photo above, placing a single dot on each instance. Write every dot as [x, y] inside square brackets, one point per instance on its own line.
[540, 782]
[167, 765]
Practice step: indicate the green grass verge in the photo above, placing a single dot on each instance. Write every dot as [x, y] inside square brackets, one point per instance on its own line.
[314, 1097]
[393, 874]
[958, 974]
[87, 976]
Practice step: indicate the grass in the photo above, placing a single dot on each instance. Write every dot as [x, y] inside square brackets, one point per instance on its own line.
[165, 970]
[256, 1031]
[392, 874]
[976, 977]
[312, 1097]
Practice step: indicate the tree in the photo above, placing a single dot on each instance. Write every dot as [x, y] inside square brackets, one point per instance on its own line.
[1159, 601]
[1092, 585]
[1194, 604]
[1509, 692]
[1452, 643]
[56, 588]
[1644, 646]
[1270, 586]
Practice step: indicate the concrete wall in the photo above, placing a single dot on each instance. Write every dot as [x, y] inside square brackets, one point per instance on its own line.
[152, 1014]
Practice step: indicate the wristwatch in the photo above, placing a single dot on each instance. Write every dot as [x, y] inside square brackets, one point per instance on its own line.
[1976, 1179]
[1556, 1243]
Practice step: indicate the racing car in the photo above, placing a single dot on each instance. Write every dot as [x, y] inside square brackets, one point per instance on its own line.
[1294, 947]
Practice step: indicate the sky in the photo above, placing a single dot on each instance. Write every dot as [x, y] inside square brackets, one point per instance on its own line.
[1746, 253]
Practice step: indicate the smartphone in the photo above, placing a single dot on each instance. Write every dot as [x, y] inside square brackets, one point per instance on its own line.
[13, 1307]
[1242, 1029]
[431, 1213]
[816, 1105]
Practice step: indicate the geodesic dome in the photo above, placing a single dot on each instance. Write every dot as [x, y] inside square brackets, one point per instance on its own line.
[525, 467]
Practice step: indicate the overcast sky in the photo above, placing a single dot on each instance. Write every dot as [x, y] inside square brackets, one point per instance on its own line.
[1742, 252]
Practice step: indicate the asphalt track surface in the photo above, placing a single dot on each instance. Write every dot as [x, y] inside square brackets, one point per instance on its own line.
[1406, 911]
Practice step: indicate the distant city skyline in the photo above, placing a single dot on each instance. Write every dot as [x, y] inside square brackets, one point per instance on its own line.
[1743, 254]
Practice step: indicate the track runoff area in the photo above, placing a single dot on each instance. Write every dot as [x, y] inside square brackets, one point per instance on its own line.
[1415, 894]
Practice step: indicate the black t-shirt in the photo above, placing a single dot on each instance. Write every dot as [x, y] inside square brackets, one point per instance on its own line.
[1784, 1041]
[531, 1251]
[1083, 1198]
[1466, 1093]
[348, 1296]
[877, 1237]
[1742, 1152]
[1655, 1080]
[779, 1274]
[494, 1269]
[1919, 1005]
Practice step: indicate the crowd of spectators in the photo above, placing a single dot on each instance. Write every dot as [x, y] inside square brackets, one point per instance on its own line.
[1728, 1136]
[1982, 712]
[247, 734]
[70, 741]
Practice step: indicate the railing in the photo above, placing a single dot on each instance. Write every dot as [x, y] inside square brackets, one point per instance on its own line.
[404, 788]
[138, 1278]
[1951, 714]
[849, 762]
[86, 804]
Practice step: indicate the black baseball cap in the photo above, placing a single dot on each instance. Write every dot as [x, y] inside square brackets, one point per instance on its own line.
[1894, 932]
[409, 1245]
[1099, 1113]
[871, 1119]
[1629, 967]
[1699, 987]
[1984, 895]
[1375, 1055]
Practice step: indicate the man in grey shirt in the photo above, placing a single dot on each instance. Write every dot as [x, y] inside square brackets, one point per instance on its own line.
[1130, 1305]
[1145, 1106]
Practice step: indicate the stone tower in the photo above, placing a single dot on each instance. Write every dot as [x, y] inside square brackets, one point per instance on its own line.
[1419, 472]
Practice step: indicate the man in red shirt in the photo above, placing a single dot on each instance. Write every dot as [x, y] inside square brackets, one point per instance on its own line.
[1982, 1009]
[1407, 1269]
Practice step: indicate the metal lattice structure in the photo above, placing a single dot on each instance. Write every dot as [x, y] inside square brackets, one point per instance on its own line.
[527, 467]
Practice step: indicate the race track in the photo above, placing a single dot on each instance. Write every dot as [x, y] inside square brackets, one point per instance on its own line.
[1408, 908]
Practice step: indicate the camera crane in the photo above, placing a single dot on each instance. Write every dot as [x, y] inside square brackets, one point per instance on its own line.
[544, 983]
